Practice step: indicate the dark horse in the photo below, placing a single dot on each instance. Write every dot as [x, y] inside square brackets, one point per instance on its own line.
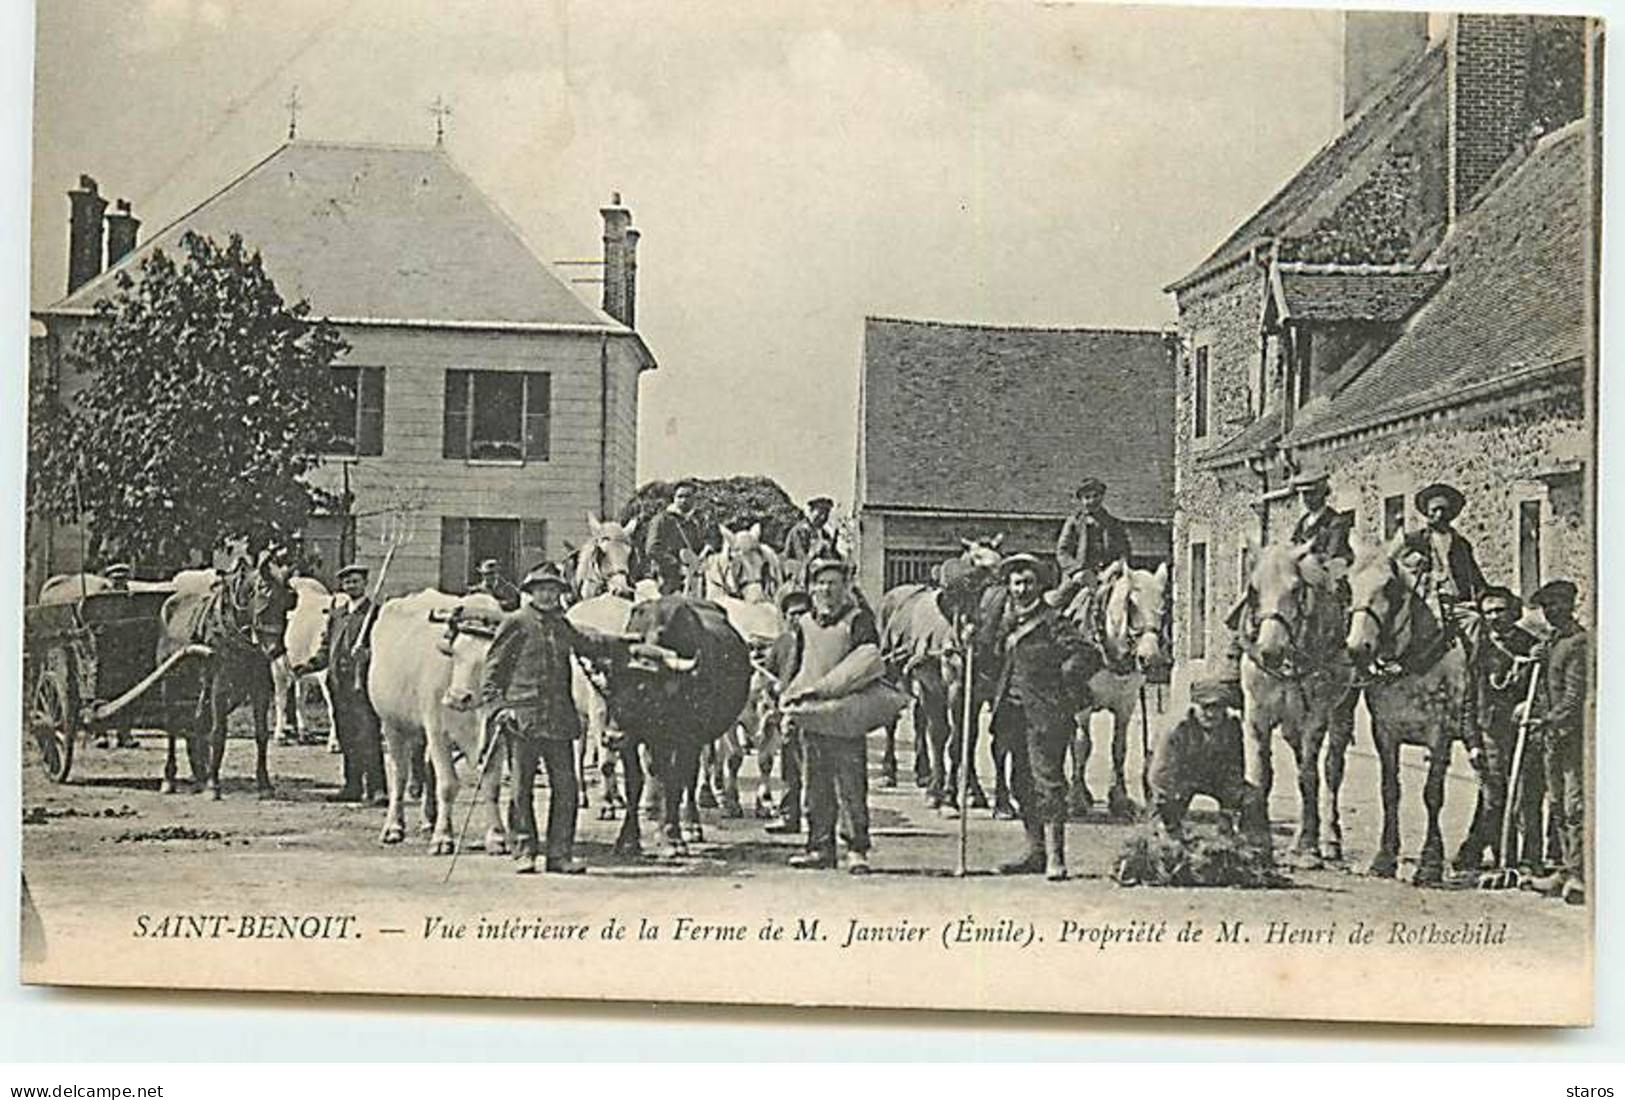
[683, 687]
[242, 619]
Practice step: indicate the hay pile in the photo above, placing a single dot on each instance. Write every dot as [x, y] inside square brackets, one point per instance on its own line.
[1151, 858]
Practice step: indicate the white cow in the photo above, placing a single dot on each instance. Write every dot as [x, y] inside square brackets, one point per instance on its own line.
[424, 682]
[303, 637]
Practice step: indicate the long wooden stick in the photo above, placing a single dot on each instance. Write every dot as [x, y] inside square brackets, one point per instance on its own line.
[1515, 776]
[961, 868]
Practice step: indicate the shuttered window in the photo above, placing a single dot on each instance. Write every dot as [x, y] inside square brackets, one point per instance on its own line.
[1197, 643]
[514, 544]
[498, 416]
[358, 413]
[1199, 393]
[1393, 516]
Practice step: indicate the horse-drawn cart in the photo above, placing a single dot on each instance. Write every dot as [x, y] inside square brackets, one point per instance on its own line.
[90, 666]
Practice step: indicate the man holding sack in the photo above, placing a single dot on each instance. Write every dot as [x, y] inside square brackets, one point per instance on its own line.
[833, 696]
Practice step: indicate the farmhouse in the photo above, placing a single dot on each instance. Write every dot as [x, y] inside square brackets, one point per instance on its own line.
[971, 430]
[1415, 305]
[489, 408]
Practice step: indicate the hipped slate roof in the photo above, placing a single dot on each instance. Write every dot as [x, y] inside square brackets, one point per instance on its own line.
[1327, 293]
[979, 418]
[1513, 307]
[1307, 197]
[377, 233]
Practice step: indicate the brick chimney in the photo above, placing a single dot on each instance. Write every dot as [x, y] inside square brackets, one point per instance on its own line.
[1376, 46]
[121, 230]
[86, 207]
[1488, 80]
[620, 261]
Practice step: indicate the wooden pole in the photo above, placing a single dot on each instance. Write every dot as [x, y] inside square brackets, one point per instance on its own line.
[961, 868]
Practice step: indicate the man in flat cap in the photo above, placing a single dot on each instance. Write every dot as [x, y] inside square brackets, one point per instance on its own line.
[1323, 527]
[1560, 718]
[527, 677]
[494, 584]
[1091, 539]
[810, 538]
[345, 652]
[1202, 754]
[1033, 713]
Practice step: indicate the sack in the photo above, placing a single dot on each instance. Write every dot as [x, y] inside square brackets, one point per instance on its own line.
[852, 715]
[856, 671]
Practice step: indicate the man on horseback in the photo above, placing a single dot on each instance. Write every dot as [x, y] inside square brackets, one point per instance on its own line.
[810, 538]
[674, 542]
[1457, 579]
[1091, 539]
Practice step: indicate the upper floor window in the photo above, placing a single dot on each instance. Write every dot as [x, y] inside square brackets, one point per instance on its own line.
[358, 418]
[498, 416]
[1199, 393]
[1393, 516]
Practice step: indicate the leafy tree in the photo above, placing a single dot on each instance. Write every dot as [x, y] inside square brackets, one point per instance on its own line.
[735, 501]
[209, 398]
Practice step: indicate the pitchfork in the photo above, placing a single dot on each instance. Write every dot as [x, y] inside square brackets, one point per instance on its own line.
[1508, 876]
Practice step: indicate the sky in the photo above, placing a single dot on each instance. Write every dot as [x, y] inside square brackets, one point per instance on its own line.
[792, 168]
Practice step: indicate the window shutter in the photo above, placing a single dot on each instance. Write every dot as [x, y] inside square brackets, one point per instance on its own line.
[532, 543]
[538, 415]
[455, 437]
[369, 428]
[343, 420]
[453, 555]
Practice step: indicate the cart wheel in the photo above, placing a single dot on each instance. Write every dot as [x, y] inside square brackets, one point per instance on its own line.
[50, 715]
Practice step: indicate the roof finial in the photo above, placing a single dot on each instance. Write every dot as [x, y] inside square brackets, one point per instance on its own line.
[440, 111]
[293, 106]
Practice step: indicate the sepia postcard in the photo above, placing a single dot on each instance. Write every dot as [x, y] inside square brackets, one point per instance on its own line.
[967, 506]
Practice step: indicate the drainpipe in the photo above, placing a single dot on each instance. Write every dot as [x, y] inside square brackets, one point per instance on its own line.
[603, 425]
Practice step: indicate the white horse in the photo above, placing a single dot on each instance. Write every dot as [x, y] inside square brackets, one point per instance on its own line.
[302, 638]
[745, 568]
[1294, 673]
[604, 563]
[1127, 629]
[1417, 674]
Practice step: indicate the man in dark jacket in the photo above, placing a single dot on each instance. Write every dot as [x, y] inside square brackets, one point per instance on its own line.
[1200, 755]
[1561, 719]
[1323, 527]
[344, 653]
[809, 539]
[783, 661]
[494, 584]
[527, 675]
[1091, 540]
[674, 544]
[1457, 579]
[1032, 714]
[1503, 669]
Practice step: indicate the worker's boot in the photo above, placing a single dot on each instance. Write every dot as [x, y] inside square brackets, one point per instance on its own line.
[1055, 850]
[1033, 861]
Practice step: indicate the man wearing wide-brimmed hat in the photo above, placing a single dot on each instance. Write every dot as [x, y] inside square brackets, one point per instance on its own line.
[1560, 718]
[1033, 713]
[1201, 755]
[345, 652]
[1457, 579]
[527, 676]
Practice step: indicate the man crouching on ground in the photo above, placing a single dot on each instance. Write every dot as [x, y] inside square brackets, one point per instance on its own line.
[816, 654]
[1200, 755]
[527, 673]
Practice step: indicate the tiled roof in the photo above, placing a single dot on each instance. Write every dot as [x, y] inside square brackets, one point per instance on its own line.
[373, 232]
[1513, 305]
[1302, 201]
[1342, 293]
[1259, 435]
[979, 418]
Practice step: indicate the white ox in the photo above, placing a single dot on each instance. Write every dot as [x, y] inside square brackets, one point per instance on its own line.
[303, 637]
[424, 683]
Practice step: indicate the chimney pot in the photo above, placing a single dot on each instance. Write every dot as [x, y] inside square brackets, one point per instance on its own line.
[620, 241]
[121, 230]
[85, 210]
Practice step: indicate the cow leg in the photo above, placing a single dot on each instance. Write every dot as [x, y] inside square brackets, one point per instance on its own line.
[442, 838]
[1080, 800]
[767, 752]
[1386, 861]
[705, 788]
[260, 701]
[168, 784]
[629, 842]
[733, 761]
[682, 765]
[219, 711]
[282, 692]
[1430, 865]
[689, 799]
[888, 757]
[398, 771]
